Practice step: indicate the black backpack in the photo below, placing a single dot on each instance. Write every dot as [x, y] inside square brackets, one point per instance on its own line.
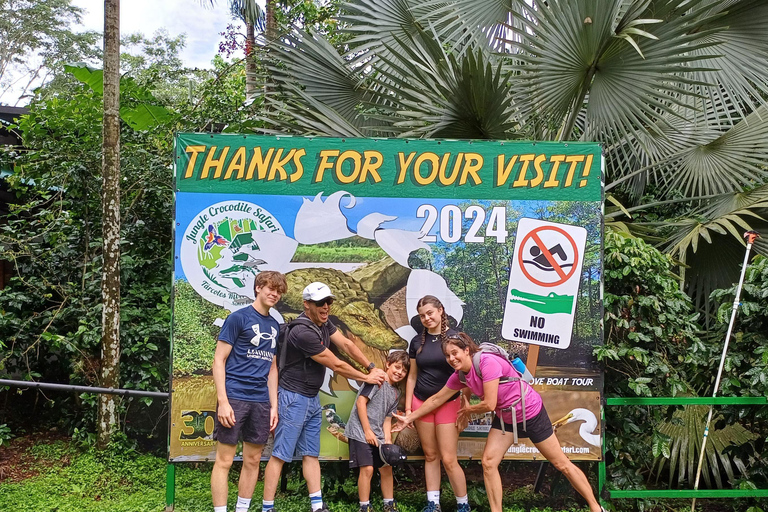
[282, 338]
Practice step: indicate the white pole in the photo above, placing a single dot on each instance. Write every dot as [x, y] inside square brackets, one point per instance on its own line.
[750, 236]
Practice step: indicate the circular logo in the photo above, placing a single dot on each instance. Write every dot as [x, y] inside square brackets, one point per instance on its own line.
[219, 254]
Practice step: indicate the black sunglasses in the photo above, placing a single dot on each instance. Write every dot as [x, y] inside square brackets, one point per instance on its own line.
[323, 302]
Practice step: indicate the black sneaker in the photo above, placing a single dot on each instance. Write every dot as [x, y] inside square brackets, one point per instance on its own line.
[365, 508]
[463, 507]
[324, 508]
[432, 507]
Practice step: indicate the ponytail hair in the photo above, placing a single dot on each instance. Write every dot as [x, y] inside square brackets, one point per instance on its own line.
[431, 300]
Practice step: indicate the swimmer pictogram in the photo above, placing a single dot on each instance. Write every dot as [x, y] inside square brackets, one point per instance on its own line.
[549, 256]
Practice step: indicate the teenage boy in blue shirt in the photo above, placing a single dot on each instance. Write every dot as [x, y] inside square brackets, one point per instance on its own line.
[245, 374]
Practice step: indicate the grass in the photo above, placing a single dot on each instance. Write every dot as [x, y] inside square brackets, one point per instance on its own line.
[315, 254]
[70, 479]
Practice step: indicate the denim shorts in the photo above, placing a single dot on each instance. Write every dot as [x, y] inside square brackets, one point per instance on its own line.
[298, 427]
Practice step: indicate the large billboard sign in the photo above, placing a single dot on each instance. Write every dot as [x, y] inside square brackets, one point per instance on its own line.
[506, 234]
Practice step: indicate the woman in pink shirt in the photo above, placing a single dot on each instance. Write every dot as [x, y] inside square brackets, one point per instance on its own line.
[500, 398]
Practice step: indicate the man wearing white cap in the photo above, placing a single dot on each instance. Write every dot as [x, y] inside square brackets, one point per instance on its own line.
[307, 355]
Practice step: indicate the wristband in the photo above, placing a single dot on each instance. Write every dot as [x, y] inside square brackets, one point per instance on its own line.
[371, 366]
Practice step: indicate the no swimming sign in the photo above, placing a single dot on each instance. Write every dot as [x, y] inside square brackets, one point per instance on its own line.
[544, 283]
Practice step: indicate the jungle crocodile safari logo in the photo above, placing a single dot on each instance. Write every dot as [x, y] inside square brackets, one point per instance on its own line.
[219, 252]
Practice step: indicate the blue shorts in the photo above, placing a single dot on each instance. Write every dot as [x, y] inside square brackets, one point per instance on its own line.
[298, 426]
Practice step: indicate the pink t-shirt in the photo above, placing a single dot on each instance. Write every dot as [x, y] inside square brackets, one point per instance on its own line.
[494, 367]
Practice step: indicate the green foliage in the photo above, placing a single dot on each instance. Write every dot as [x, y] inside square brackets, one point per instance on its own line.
[37, 39]
[194, 333]
[651, 349]
[654, 347]
[650, 328]
[746, 367]
[5, 434]
[681, 442]
[51, 318]
[320, 17]
[52, 315]
[745, 372]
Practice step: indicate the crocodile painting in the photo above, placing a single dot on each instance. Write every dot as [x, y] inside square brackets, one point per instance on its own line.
[352, 311]
[552, 303]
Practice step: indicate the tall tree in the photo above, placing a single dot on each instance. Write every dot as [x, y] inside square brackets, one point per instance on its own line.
[250, 13]
[35, 38]
[110, 212]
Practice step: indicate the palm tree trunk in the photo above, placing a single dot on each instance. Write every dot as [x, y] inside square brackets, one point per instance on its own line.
[110, 213]
[270, 33]
[271, 23]
[250, 60]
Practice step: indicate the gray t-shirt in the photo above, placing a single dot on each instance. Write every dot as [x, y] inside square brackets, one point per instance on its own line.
[382, 403]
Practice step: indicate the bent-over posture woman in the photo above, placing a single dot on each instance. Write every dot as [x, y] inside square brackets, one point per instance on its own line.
[499, 397]
[437, 430]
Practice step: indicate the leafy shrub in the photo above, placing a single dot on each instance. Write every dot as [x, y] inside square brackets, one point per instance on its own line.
[745, 372]
[50, 324]
[5, 434]
[651, 349]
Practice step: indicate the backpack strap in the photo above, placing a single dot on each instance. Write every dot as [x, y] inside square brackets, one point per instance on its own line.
[503, 380]
[475, 365]
[288, 328]
[479, 373]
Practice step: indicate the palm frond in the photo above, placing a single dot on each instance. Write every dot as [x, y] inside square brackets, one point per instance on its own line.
[314, 90]
[572, 56]
[686, 431]
[249, 11]
[699, 155]
[449, 95]
[729, 162]
[710, 242]
[380, 27]
[475, 22]
[738, 69]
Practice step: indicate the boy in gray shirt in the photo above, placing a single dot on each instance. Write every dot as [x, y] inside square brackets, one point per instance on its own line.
[369, 425]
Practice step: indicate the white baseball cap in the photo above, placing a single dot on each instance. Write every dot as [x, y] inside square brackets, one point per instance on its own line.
[317, 291]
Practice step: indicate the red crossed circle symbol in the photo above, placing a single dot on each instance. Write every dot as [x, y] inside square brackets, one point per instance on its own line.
[563, 276]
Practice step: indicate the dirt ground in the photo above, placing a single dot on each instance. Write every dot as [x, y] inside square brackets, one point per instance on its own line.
[16, 463]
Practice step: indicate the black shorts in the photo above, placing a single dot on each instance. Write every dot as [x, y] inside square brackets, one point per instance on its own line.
[364, 454]
[251, 423]
[538, 428]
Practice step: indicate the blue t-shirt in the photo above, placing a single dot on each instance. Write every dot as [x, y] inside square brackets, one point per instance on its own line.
[253, 337]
